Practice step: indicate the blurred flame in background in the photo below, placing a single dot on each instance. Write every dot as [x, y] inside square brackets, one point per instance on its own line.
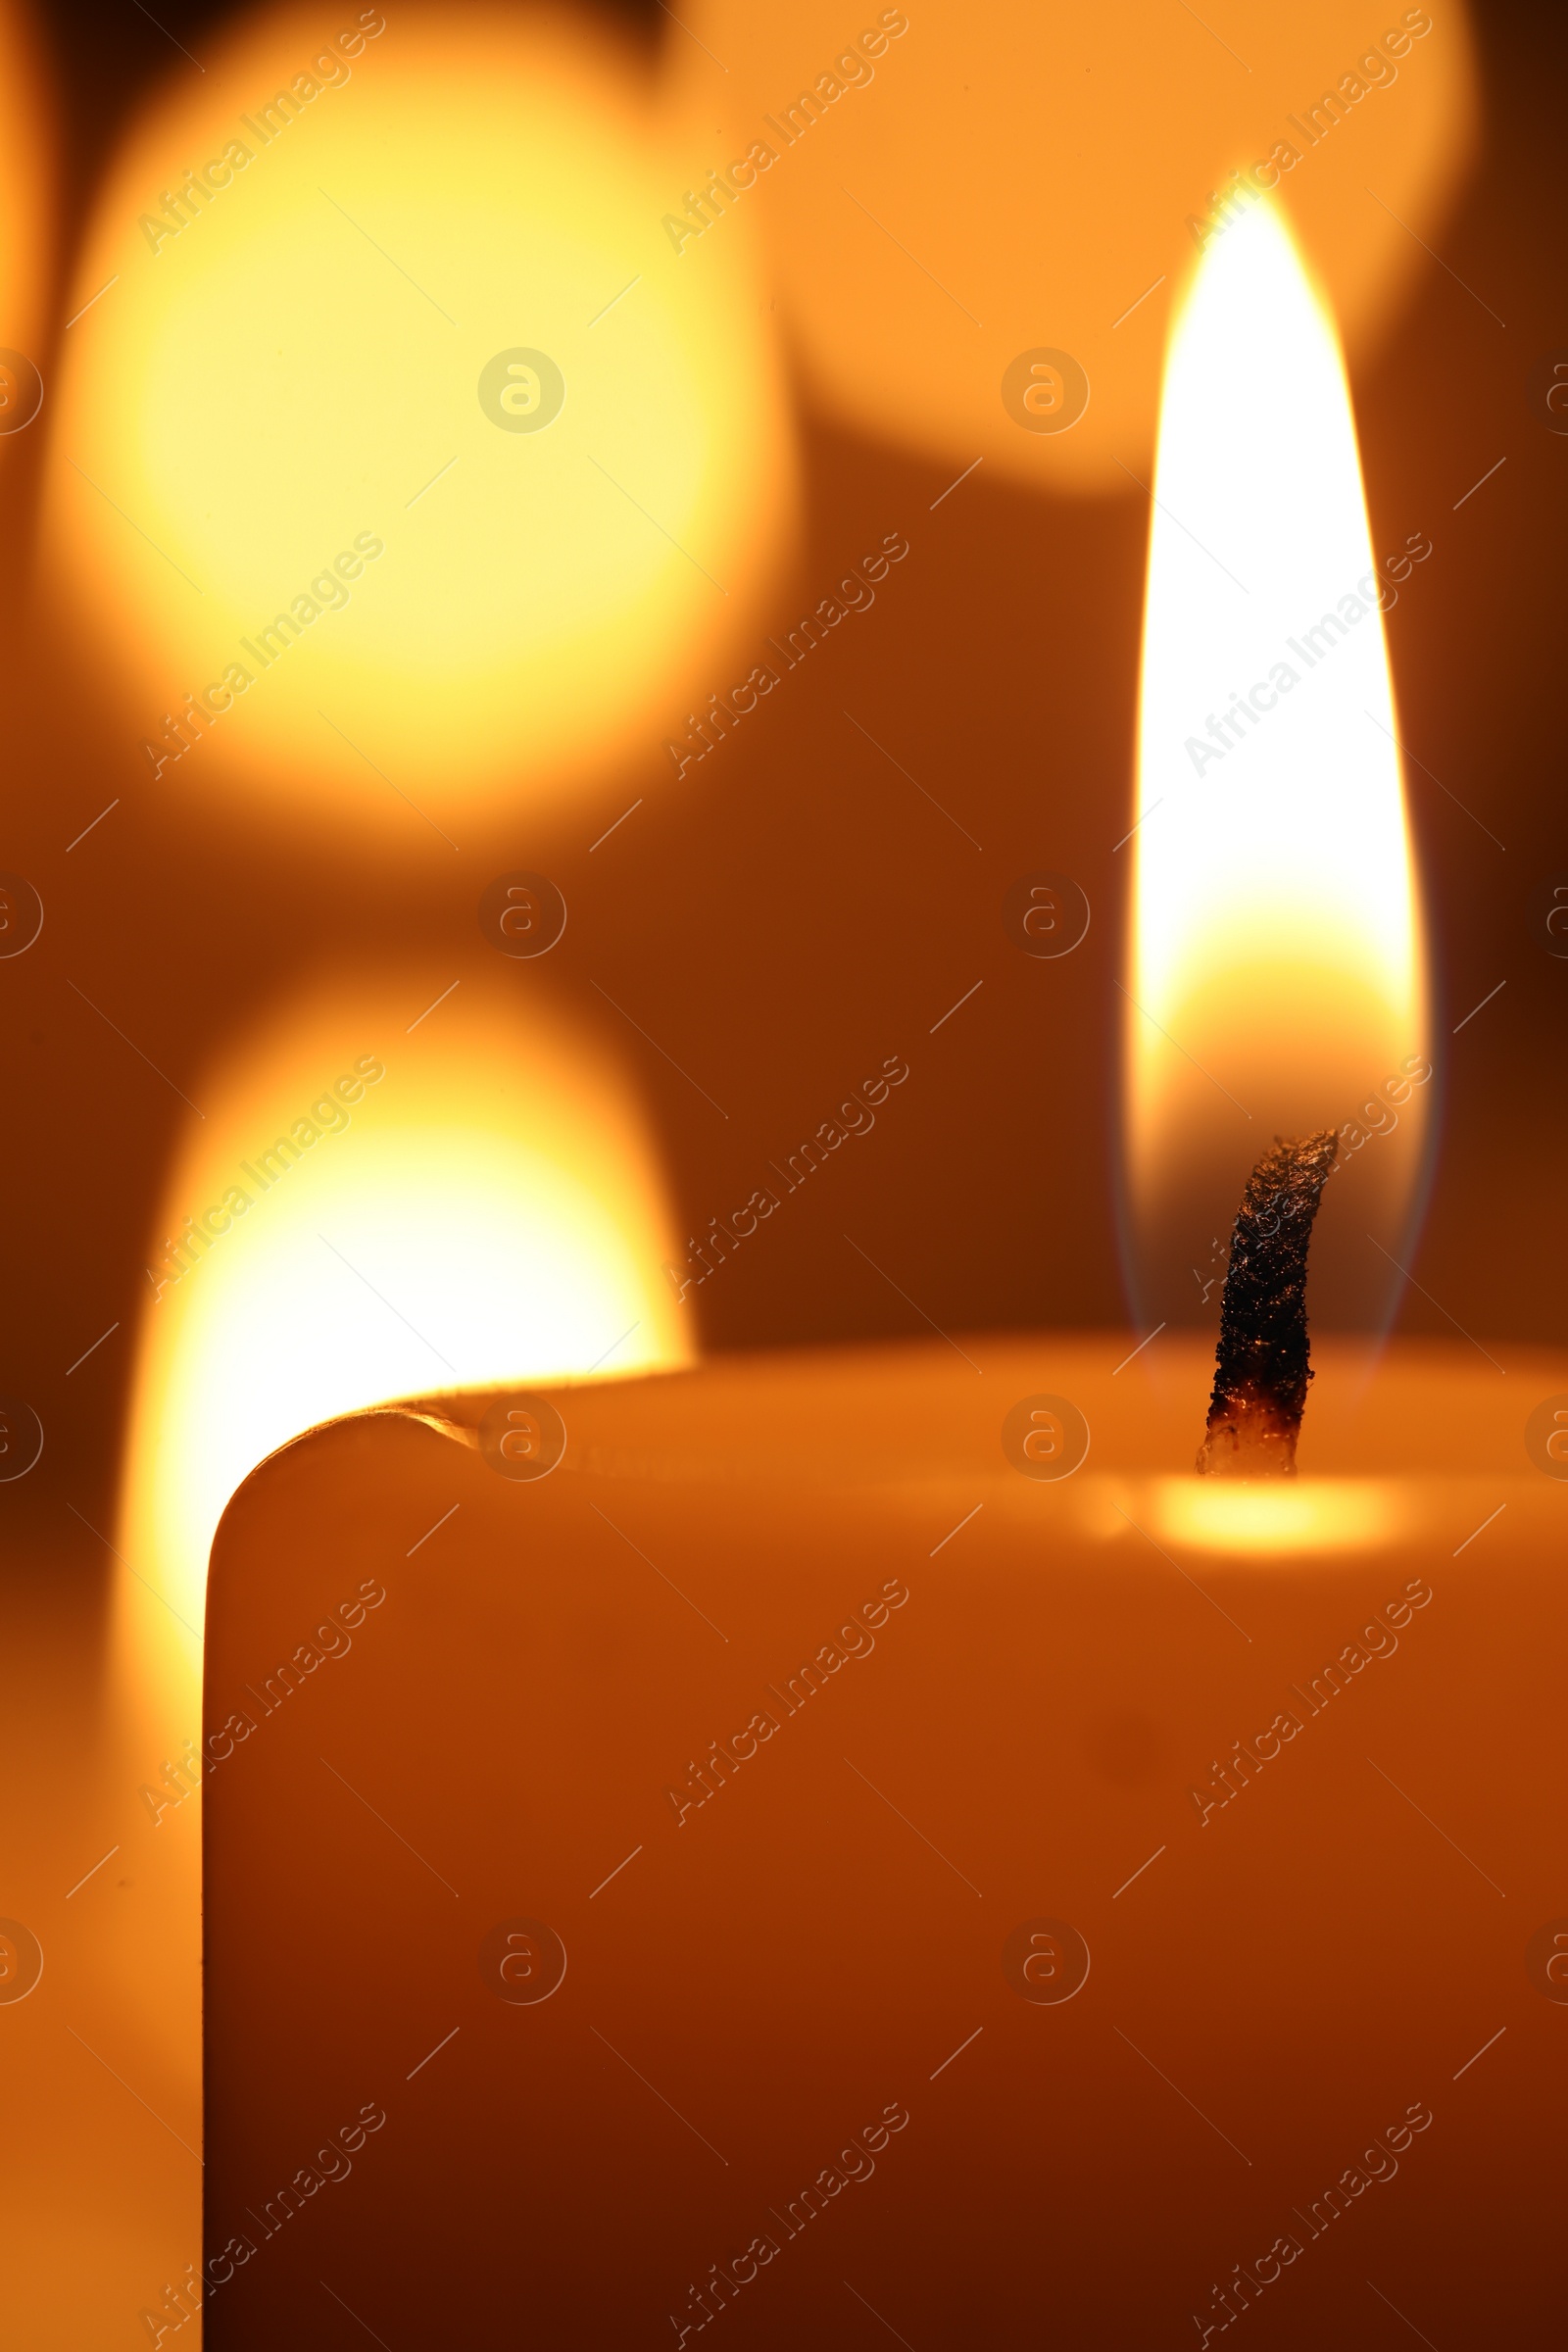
[985, 184]
[490, 1211]
[1277, 972]
[298, 365]
[26, 230]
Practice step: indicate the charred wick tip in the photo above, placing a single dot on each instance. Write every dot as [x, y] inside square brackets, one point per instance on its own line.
[1261, 1368]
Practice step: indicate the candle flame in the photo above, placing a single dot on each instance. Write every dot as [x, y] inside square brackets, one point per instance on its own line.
[1277, 980]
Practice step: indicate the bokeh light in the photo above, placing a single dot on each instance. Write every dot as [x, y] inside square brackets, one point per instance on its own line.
[27, 242]
[953, 194]
[405, 453]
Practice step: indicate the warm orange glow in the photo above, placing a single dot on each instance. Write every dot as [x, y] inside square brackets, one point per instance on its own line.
[490, 1210]
[1255, 1520]
[958, 189]
[489, 584]
[1276, 978]
[27, 233]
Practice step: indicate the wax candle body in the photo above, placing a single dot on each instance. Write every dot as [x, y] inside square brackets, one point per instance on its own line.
[791, 1859]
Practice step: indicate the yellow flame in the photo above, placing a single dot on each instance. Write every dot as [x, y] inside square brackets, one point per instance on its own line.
[1276, 965]
[489, 1210]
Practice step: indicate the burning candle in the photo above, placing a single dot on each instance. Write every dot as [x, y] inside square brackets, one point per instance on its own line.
[631, 1846]
[799, 1822]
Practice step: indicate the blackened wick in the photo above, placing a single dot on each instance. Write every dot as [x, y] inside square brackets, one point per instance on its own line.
[1261, 1367]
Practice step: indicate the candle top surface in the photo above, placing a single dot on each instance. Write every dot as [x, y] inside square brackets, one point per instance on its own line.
[1070, 1433]
[1405, 1407]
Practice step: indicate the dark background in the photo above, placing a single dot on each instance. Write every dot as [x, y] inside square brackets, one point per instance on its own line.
[793, 910]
